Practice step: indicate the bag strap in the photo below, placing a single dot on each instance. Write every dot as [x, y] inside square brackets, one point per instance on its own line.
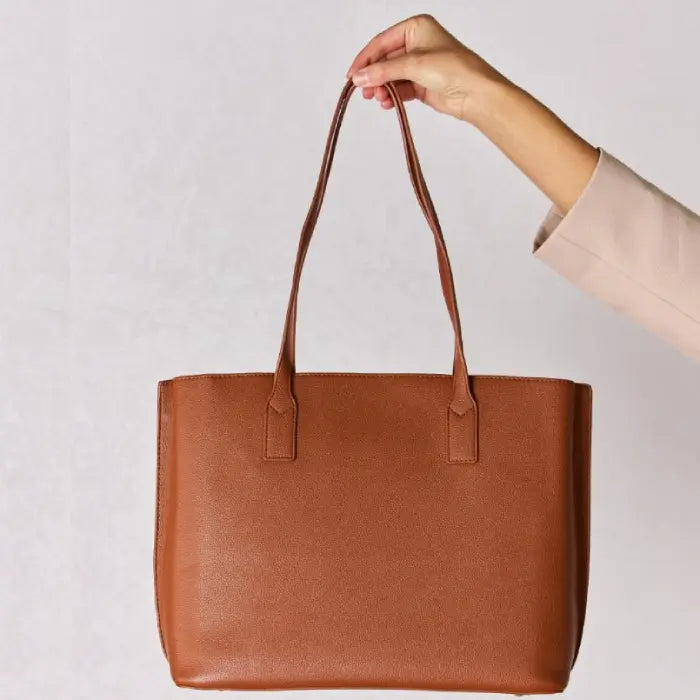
[280, 424]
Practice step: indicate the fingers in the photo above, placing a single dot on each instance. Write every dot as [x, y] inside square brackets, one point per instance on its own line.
[370, 93]
[404, 67]
[381, 94]
[407, 92]
[389, 40]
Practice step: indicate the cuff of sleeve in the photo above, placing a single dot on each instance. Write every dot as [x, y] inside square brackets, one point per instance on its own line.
[571, 244]
[596, 247]
[552, 224]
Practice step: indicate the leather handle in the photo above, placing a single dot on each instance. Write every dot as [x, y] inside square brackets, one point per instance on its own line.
[281, 415]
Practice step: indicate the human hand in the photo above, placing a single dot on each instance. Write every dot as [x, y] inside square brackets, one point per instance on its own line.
[428, 64]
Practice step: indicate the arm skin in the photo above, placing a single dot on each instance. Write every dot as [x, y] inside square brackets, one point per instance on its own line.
[434, 67]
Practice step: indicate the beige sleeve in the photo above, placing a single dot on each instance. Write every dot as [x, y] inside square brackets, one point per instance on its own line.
[634, 248]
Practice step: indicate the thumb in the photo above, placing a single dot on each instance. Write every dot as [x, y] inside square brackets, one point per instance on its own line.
[410, 66]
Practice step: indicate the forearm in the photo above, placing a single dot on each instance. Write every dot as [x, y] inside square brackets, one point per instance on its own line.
[557, 160]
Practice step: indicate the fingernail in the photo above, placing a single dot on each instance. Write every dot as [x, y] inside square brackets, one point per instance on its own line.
[360, 79]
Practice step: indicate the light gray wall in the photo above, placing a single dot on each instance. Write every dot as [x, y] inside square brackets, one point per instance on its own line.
[156, 161]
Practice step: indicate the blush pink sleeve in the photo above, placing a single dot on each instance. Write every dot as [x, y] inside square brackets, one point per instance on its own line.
[633, 247]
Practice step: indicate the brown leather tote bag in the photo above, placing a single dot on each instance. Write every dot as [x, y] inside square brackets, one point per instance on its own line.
[372, 530]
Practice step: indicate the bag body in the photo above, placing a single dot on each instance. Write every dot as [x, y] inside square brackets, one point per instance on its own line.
[372, 530]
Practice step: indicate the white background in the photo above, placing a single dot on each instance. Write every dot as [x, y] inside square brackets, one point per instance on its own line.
[156, 161]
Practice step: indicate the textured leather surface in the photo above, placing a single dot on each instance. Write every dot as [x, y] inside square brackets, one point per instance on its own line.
[358, 538]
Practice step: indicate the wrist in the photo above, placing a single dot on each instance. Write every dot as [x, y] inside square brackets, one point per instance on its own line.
[487, 104]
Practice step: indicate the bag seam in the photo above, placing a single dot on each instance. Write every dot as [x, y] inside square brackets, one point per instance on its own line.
[159, 515]
[365, 375]
[588, 427]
